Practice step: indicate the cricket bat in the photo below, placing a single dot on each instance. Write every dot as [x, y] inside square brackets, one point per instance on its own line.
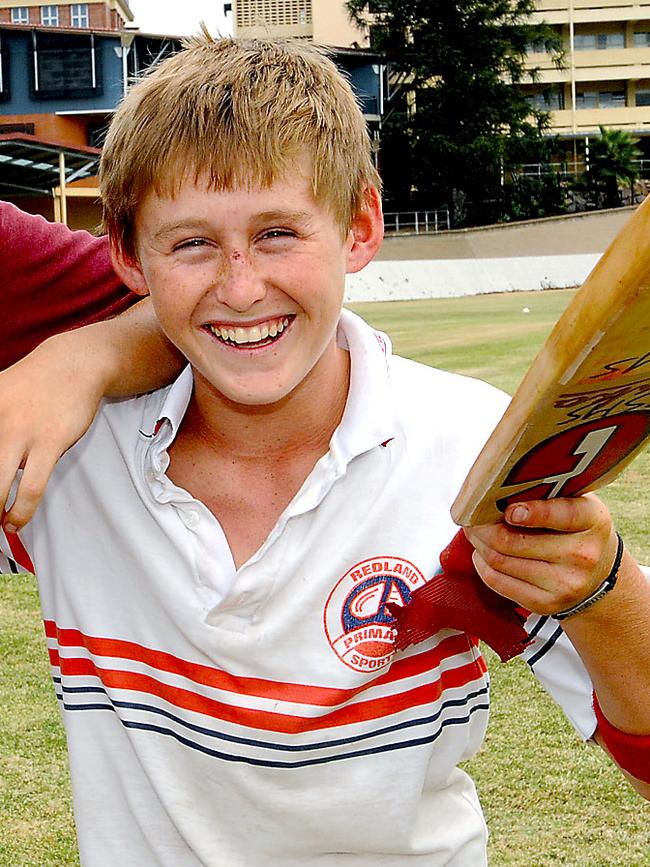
[582, 412]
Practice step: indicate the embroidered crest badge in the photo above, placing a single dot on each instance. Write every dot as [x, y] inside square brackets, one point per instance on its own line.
[358, 624]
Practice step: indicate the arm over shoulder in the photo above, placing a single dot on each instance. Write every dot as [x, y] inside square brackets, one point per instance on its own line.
[54, 279]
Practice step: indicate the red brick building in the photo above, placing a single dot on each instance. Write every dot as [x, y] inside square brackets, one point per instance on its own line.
[93, 15]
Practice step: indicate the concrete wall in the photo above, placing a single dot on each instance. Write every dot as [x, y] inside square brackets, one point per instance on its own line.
[553, 253]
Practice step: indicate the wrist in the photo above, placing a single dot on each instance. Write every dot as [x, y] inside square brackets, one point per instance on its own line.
[602, 590]
[80, 356]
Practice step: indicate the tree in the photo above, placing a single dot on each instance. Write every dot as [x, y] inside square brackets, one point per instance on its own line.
[612, 161]
[456, 67]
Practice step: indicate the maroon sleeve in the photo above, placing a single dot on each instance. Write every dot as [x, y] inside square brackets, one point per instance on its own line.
[51, 280]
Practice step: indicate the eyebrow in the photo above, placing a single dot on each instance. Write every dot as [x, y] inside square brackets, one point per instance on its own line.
[181, 225]
[281, 216]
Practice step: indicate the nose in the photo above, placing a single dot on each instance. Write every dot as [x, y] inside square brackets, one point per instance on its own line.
[239, 283]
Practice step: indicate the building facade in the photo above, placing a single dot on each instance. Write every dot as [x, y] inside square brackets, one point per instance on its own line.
[92, 15]
[323, 21]
[605, 76]
[62, 85]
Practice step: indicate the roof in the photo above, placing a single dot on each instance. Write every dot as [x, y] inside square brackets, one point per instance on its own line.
[31, 165]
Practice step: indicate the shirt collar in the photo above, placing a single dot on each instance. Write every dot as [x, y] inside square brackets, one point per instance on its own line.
[368, 418]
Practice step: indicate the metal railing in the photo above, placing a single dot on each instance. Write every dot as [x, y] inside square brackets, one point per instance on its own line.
[565, 169]
[419, 222]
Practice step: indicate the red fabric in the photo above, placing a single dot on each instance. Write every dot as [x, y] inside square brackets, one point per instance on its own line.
[52, 279]
[630, 752]
[457, 598]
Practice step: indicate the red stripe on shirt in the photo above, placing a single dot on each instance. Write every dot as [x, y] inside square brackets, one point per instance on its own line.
[18, 552]
[321, 696]
[271, 721]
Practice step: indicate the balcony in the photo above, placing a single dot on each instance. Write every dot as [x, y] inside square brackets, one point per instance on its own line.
[584, 11]
[589, 119]
[613, 64]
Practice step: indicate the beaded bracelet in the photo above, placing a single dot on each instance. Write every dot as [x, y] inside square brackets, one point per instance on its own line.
[602, 590]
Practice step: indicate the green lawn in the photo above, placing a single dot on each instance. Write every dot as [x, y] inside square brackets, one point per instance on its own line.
[549, 799]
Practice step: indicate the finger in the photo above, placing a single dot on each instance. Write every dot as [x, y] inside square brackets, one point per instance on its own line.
[528, 595]
[531, 571]
[11, 460]
[581, 557]
[566, 515]
[529, 543]
[36, 473]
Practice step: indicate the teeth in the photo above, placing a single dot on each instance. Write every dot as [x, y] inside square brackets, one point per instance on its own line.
[253, 334]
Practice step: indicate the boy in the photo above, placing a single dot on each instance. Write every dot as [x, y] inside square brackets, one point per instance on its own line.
[216, 559]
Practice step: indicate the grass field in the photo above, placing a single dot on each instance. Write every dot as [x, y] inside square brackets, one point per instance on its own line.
[549, 799]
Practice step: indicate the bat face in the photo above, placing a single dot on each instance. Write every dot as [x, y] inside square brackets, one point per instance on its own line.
[582, 412]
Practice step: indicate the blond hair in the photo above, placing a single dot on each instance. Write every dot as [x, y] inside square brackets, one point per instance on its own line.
[239, 113]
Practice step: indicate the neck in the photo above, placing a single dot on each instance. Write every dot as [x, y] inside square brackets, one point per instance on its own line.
[302, 422]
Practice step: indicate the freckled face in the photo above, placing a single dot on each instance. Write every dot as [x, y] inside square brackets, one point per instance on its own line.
[248, 284]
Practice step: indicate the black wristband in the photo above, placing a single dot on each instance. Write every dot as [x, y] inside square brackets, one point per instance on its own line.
[600, 591]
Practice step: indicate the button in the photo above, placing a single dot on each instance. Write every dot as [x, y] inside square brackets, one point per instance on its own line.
[191, 519]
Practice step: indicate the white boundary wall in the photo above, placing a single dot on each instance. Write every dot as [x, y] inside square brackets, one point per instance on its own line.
[448, 278]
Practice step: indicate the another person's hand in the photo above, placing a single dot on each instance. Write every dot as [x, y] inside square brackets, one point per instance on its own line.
[548, 555]
[47, 402]
[49, 398]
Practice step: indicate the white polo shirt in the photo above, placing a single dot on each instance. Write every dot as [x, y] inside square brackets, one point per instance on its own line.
[256, 716]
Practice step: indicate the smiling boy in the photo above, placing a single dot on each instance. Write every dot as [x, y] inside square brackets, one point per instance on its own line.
[215, 559]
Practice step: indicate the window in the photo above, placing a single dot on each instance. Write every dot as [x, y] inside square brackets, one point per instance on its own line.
[79, 15]
[65, 66]
[4, 71]
[611, 99]
[25, 128]
[600, 99]
[643, 97]
[547, 100]
[20, 15]
[642, 39]
[50, 16]
[598, 41]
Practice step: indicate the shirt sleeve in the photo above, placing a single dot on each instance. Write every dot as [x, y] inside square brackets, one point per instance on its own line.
[557, 666]
[53, 279]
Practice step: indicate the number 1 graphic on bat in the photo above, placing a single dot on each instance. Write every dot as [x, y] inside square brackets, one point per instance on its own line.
[590, 446]
[575, 459]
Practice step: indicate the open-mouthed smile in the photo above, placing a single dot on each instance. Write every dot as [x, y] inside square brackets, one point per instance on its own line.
[252, 336]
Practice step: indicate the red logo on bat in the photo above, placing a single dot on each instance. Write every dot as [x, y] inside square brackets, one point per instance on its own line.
[572, 461]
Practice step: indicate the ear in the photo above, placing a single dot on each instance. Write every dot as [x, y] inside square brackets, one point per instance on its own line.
[129, 270]
[367, 231]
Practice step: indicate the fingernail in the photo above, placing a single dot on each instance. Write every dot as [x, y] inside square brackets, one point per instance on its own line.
[9, 528]
[518, 515]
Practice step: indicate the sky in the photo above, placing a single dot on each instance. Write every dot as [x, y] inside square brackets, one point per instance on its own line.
[180, 19]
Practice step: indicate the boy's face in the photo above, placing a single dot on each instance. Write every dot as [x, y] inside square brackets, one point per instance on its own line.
[248, 284]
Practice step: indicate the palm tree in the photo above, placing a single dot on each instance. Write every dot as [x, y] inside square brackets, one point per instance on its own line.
[612, 161]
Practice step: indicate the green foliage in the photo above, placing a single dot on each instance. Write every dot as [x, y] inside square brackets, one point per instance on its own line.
[612, 161]
[456, 67]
